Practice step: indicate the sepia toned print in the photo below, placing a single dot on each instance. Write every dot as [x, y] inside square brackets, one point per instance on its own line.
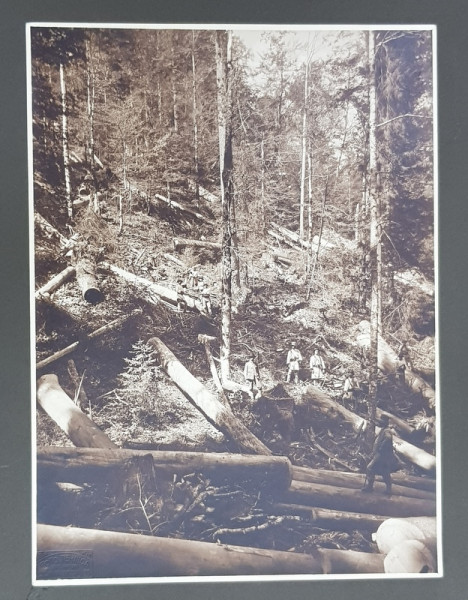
[235, 326]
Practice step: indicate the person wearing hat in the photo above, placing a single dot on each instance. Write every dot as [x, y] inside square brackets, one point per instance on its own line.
[251, 375]
[383, 460]
[351, 389]
[317, 368]
[293, 359]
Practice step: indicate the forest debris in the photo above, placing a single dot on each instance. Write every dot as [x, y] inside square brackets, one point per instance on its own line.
[179, 243]
[51, 286]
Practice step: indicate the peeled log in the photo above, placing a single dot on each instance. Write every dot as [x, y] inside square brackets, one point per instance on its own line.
[165, 293]
[294, 237]
[88, 465]
[333, 410]
[354, 481]
[346, 499]
[179, 243]
[79, 428]
[56, 281]
[87, 281]
[207, 402]
[388, 362]
[117, 554]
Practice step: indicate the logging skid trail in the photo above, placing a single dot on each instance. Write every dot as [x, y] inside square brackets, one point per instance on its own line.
[140, 435]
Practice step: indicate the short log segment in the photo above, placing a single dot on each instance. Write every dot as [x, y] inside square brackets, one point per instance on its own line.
[346, 499]
[207, 402]
[355, 481]
[125, 555]
[56, 281]
[61, 408]
[89, 465]
[333, 410]
[87, 281]
[388, 363]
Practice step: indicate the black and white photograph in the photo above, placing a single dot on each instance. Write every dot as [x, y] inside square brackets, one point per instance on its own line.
[233, 238]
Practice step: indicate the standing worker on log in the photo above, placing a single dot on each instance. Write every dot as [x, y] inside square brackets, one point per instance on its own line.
[293, 359]
[383, 461]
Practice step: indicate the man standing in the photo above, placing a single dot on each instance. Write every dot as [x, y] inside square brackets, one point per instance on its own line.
[206, 299]
[293, 359]
[317, 368]
[251, 375]
[383, 460]
[351, 389]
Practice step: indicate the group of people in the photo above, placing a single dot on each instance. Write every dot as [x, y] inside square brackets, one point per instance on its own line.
[193, 284]
[316, 365]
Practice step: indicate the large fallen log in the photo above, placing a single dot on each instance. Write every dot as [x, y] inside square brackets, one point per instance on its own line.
[355, 481]
[51, 286]
[153, 288]
[326, 518]
[207, 402]
[388, 363]
[79, 428]
[179, 243]
[87, 281]
[185, 209]
[294, 237]
[116, 554]
[333, 410]
[89, 465]
[336, 498]
[93, 335]
[415, 279]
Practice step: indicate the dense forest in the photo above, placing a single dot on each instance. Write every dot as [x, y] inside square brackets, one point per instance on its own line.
[234, 270]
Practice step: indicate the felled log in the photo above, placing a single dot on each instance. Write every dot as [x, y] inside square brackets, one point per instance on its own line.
[87, 281]
[89, 465]
[326, 518]
[393, 532]
[93, 335]
[206, 341]
[207, 402]
[180, 207]
[354, 481]
[58, 280]
[175, 260]
[333, 410]
[179, 243]
[388, 363]
[294, 237]
[346, 499]
[153, 288]
[416, 280]
[281, 259]
[61, 408]
[49, 230]
[412, 556]
[117, 554]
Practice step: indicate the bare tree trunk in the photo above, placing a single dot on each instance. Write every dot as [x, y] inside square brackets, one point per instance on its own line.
[87, 281]
[317, 250]
[195, 123]
[206, 402]
[304, 152]
[66, 159]
[79, 428]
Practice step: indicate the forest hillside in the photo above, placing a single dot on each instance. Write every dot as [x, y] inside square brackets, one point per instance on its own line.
[233, 251]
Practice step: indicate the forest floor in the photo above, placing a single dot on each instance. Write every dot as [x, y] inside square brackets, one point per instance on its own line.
[132, 400]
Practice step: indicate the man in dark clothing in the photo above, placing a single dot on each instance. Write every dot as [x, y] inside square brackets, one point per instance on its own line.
[383, 460]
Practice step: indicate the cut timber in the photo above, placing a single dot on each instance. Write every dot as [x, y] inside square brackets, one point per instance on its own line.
[411, 484]
[179, 243]
[205, 194]
[153, 288]
[175, 260]
[87, 281]
[355, 481]
[325, 518]
[94, 334]
[88, 465]
[350, 561]
[118, 554]
[206, 341]
[281, 259]
[180, 207]
[79, 428]
[56, 281]
[346, 499]
[388, 363]
[207, 402]
[286, 234]
[333, 410]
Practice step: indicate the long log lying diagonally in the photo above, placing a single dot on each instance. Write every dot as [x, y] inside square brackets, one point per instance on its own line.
[61, 408]
[58, 280]
[180, 207]
[165, 293]
[118, 554]
[319, 399]
[89, 465]
[388, 362]
[93, 335]
[207, 402]
[179, 243]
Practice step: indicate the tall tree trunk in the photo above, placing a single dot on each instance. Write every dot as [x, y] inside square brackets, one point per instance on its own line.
[66, 159]
[223, 41]
[304, 152]
[317, 250]
[175, 108]
[195, 123]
